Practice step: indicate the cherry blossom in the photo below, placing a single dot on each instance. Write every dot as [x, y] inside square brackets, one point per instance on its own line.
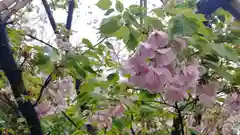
[64, 45]
[164, 57]
[56, 95]
[207, 93]
[232, 103]
[44, 108]
[157, 39]
[117, 110]
[103, 118]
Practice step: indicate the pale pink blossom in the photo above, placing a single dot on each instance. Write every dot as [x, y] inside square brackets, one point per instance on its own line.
[43, 108]
[233, 102]
[101, 120]
[157, 39]
[206, 100]
[180, 44]
[164, 57]
[207, 93]
[154, 80]
[175, 92]
[191, 74]
[144, 52]
[117, 110]
[64, 45]
[209, 89]
[227, 129]
[65, 83]
[136, 65]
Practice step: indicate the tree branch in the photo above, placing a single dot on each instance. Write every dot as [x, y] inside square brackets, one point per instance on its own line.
[47, 81]
[69, 119]
[38, 40]
[14, 76]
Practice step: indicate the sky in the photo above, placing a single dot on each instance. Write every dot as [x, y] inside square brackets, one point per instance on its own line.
[86, 19]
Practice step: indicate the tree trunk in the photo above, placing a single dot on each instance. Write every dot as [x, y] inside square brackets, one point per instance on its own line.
[14, 75]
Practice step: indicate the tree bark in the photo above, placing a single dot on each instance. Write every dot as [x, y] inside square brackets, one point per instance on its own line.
[14, 75]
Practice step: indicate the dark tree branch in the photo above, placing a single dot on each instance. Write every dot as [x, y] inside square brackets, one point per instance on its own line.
[178, 122]
[14, 76]
[24, 61]
[41, 41]
[69, 119]
[131, 128]
[47, 81]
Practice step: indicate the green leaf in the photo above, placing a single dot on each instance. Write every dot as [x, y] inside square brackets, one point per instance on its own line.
[88, 43]
[104, 4]
[221, 99]
[113, 77]
[20, 120]
[159, 12]
[109, 11]
[119, 6]
[131, 19]
[118, 123]
[224, 51]
[41, 58]
[132, 42]
[137, 10]
[89, 69]
[237, 77]
[123, 32]
[224, 73]
[193, 132]
[153, 22]
[181, 26]
[109, 26]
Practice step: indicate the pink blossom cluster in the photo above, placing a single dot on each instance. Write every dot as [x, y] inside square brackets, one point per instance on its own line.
[232, 103]
[103, 118]
[55, 96]
[159, 66]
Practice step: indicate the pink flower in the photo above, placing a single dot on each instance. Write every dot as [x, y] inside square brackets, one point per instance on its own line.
[175, 92]
[227, 129]
[209, 89]
[43, 108]
[180, 44]
[207, 93]
[191, 74]
[157, 39]
[206, 100]
[117, 110]
[136, 65]
[233, 102]
[102, 120]
[144, 52]
[156, 79]
[164, 57]
[65, 84]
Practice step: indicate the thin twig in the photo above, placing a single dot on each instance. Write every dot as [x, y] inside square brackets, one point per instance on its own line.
[193, 101]
[39, 40]
[69, 119]
[24, 61]
[47, 81]
[131, 128]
